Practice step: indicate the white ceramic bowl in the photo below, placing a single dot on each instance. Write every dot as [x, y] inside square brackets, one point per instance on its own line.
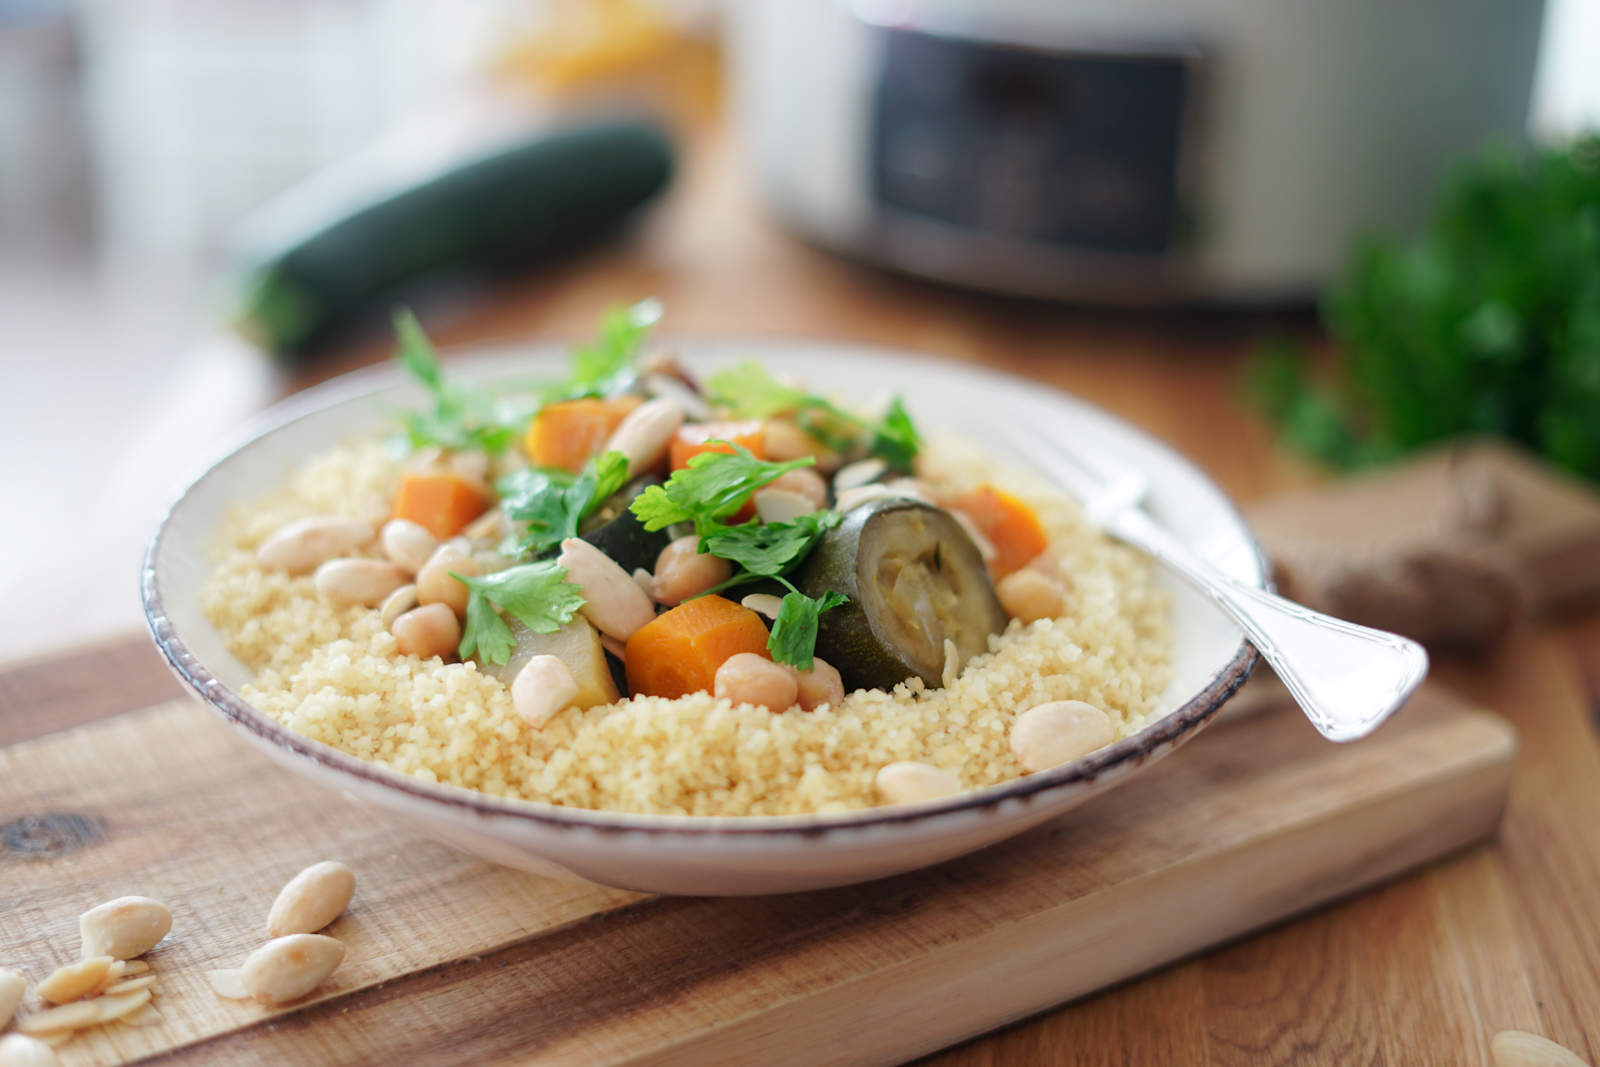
[702, 855]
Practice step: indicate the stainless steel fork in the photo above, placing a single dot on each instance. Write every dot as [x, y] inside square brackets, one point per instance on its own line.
[1346, 678]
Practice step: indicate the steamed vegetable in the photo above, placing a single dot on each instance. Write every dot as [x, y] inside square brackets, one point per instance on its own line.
[711, 488]
[576, 644]
[534, 593]
[699, 438]
[442, 502]
[753, 393]
[913, 578]
[1008, 524]
[553, 504]
[679, 652]
[1489, 324]
[568, 434]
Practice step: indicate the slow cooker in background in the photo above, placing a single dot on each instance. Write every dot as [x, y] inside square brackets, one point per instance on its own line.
[1218, 150]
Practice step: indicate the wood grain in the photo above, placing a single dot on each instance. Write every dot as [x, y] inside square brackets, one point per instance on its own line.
[455, 961]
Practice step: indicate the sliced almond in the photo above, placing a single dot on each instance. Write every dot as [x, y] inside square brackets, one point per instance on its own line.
[129, 985]
[148, 1015]
[116, 1007]
[228, 984]
[75, 980]
[113, 975]
[55, 1038]
[66, 1017]
[134, 967]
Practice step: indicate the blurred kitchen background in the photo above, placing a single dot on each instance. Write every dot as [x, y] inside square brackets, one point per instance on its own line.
[137, 135]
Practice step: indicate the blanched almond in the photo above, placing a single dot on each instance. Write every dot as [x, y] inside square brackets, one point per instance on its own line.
[312, 899]
[124, 928]
[542, 688]
[908, 781]
[287, 968]
[19, 1050]
[408, 543]
[1517, 1048]
[1051, 734]
[613, 601]
[304, 545]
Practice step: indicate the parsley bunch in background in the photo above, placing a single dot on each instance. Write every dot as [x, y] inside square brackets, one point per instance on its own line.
[1489, 324]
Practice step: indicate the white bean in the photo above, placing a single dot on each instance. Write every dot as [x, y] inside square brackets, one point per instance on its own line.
[543, 688]
[857, 474]
[397, 604]
[683, 571]
[818, 686]
[805, 481]
[1517, 1048]
[1030, 596]
[408, 543]
[304, 545]
[359, 581]
[124, 928]
[20, 1050]
[645, 432]
[287, 968]
[747, 678]
[1051, 734]
[312, 899]
[907, 782]
[425, 632]
[436, 586]
[613, 601]
[782, 505]
[12, 986]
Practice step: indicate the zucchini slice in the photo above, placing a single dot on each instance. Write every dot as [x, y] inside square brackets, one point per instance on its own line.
[617, 532]
[914, 578]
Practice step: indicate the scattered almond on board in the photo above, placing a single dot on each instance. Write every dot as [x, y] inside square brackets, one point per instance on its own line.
[297, 959]
[1514, 1048]
[108, 985]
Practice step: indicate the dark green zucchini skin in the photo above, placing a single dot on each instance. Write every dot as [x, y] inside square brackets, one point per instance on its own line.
[617, 532]
[627, 542]
[847, 637]
[520, 207]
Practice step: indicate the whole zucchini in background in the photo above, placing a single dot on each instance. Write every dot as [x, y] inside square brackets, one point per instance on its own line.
[517, 206]
[914, 578]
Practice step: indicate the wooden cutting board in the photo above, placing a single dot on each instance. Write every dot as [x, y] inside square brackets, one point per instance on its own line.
[1256, 819]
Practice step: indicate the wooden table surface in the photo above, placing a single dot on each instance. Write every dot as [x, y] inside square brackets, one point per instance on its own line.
[1422, 971]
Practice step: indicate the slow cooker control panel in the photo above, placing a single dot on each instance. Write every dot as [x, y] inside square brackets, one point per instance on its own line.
[1077, 149]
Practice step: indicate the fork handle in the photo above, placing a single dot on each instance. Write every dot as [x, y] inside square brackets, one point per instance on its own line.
[1347, 678]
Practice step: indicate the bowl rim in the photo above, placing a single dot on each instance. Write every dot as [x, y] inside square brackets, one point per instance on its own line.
[237, 712]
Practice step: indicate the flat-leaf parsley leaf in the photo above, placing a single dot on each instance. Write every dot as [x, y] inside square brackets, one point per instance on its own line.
[536, 593]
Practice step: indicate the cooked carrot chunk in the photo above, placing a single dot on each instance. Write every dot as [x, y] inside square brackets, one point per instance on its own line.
[692, 440]
[443, 502]
[572, 432]
[1009, 524]
[679, 652]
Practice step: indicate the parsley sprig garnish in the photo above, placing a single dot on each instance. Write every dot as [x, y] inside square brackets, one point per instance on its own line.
[609, 364]
[753, 393]
[793, 639]
[554, 502]
[714, 486]
[463, 418]
[536, 593]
